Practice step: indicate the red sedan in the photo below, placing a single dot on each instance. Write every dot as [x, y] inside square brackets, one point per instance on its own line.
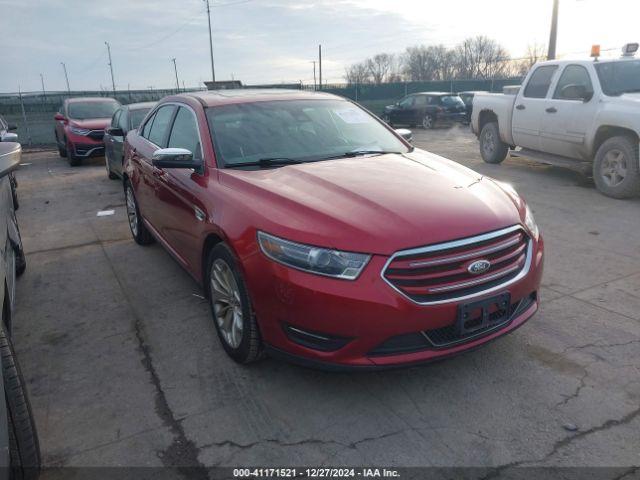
[324, 237]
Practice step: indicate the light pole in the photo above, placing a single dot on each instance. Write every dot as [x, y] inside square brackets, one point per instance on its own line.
[315, 87]
[113, 82]
[64, 67]
[44, 93]
[320, 64]
[175, 68]
[213, 71]
[553, 36]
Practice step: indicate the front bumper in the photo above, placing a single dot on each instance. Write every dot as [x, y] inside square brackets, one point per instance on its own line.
[361, 316]
[84, 146]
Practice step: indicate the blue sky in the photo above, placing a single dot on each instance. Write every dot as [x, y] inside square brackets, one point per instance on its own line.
[270, 41]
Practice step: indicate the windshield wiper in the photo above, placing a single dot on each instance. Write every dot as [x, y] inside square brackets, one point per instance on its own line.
[266, 162]
[357, 153]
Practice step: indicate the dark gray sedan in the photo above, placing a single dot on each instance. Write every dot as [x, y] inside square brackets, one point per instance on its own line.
[19, 449]
[125, 119]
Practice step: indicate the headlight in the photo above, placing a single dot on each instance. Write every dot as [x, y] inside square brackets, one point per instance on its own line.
[322, 261]
[79, 131]
[530, 223]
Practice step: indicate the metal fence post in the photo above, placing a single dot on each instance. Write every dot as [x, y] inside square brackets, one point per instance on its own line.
[24, 116]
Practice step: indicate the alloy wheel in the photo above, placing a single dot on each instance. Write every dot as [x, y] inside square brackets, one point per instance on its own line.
[614, 167]
[427, 122]
[132, 214]
[227, 306]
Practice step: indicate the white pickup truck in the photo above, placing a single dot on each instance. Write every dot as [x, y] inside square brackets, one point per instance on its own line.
[578, 114]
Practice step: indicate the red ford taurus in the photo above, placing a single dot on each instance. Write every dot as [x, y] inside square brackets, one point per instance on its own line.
[322, 236]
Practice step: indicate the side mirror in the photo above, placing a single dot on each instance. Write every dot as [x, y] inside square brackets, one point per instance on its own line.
[576, 92]
[115, 132]
[405, 133]
[9, 137]
[175, 158]
[12, 126]
[10, 154]
[59, 117]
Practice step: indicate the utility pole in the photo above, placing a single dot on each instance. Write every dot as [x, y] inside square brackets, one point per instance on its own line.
[213, 71]
[320, 64]
[175, 68]
[551, 55]
[315, 85]
[64, 67]
[113, 82]
[44, 93]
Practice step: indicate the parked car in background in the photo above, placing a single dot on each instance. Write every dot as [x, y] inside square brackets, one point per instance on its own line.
[427, 109]
[126, 118]
[467, 98]
[7, 135]
[571, 113]
[19, 448]
[80, 125]
[322, 236]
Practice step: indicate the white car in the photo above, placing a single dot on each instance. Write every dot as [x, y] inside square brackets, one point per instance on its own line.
[580, 114]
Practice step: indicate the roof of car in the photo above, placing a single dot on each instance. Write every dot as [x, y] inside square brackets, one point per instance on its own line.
[439, 94]
[140, 105]
[587, 61]
[211, 98]
[90, 99]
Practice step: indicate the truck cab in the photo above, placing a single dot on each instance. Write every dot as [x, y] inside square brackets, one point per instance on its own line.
[580, 114]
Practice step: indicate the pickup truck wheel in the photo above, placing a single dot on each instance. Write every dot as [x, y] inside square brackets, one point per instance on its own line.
[492, 149]
[139, 231]
[615, 170]
[231, 308]
[427, 122]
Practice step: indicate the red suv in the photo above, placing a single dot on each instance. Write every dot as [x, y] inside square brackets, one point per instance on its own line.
[322, 236]
[80, 125]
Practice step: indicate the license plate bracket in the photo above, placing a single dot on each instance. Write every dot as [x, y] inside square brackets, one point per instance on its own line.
[483, 314]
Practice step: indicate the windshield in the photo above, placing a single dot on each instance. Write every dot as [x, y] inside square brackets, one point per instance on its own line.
[137, 116]
[85, 110]
[452, 101]
[620, 77]
[302, 130]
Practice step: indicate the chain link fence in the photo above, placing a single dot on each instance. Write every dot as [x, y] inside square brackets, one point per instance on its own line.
[33, 112]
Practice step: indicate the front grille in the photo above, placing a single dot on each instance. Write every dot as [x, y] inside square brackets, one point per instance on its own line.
[440, 273]
[96, 134]
[84, 149]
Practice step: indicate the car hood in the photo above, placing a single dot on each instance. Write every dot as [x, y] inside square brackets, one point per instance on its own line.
[91, 123]
[376, 204]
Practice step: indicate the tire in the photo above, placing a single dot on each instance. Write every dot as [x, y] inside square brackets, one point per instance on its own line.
[24, 448]
[492, 149]
[73, 160]
[110, 174]
[62, 150]
[21, 259]
[139, 231]
[14, 191]
[428, 122]
[616, 172]
[228, 292]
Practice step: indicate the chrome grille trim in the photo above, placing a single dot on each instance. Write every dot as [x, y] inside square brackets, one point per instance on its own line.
[456, 244]
[480, 253]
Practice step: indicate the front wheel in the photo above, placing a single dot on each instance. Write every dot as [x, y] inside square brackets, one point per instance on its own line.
[492, 149]
[231, 309]
[139, 231]
[616, 172]
[73, 160]
[24, 449]
[110, 174]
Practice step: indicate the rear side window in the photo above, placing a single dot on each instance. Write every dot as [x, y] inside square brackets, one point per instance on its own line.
[540, 82]
[184, 133]
[161, 120]
[421, 101]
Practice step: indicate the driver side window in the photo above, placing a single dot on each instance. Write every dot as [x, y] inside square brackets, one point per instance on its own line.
[407, 102]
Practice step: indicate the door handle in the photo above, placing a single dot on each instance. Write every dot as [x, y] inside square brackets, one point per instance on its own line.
[520, 107]
[551, 110]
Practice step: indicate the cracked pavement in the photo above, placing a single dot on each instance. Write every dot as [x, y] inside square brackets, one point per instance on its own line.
[124, 367]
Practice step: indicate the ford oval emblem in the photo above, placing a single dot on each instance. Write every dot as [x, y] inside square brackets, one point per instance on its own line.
[478, 267]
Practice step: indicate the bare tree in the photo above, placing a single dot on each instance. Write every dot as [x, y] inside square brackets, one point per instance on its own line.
[422, 63]
[481, 57]
[380, 66]
[357, 74]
